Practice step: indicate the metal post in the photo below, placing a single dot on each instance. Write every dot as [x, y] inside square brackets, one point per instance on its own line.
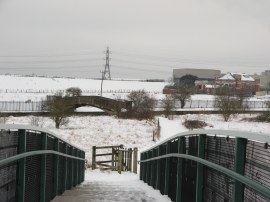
[240, 156]
[135, 159]
[152, 167]
[147, 177]
[43, 168]
[199, 182]
[56, 167]
[167, 169]
[21, 177]
[181, 150]
[65, 168]
[157, 186]
[94, 166]
[141, 167]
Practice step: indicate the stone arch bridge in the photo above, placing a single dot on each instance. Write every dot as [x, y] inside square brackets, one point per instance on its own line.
[106, 104]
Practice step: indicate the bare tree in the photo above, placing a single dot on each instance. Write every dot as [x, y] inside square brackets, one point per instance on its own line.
[228, 104]
[168, 104]
[143, 104]
[58, 108]
[182, 94]
[73, 92]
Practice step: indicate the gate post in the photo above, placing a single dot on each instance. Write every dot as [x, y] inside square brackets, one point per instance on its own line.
[94, 166]
[179, 169]
[120, 161]
[199, 182]
[135, 159]
[43, 168]
[21, 181]
[239, 167]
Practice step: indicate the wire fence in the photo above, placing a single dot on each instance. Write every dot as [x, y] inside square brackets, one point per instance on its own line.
[36, 106]
[53, 91]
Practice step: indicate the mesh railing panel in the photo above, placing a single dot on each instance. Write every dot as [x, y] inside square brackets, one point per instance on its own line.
[50, 170]
[32, 168]
[257, 168]
[218, 187]
[8, 174]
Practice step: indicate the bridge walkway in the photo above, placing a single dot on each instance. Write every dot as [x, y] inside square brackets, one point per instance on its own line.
[110, 186]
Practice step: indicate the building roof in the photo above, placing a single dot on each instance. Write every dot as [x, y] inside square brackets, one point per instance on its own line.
[233, 76]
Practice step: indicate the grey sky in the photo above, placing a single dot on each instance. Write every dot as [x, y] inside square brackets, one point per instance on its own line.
[147, 38]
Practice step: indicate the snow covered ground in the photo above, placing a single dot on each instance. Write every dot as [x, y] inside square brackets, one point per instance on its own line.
[88, 131]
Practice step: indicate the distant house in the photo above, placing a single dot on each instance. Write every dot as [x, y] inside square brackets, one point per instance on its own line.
[239, 82]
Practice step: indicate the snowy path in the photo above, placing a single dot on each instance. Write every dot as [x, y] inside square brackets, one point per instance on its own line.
[111, 186]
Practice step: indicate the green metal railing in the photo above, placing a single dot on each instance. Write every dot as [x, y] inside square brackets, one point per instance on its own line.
[36, 165]
[210, 165]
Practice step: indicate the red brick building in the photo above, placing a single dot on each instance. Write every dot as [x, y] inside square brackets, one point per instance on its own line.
[239, 82]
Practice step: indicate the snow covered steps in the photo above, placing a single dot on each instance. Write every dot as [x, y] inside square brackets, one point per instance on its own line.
[111, 186]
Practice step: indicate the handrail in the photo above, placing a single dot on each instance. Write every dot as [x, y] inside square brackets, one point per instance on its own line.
[57, 159]
[32, 128]
[259, 137]
[252, 184]
[11, 159]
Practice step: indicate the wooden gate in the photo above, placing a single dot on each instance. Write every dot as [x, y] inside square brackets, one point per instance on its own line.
[115, 158]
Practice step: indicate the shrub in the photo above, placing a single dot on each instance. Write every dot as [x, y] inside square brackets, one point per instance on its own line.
[194, 124]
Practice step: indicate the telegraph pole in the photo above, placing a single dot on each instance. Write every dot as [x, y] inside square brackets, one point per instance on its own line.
[107, 73]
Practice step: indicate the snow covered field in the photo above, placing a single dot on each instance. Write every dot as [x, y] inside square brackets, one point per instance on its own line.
[87, 131]
[21, 88]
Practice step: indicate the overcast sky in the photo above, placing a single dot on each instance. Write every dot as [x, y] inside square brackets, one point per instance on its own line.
[147, 38]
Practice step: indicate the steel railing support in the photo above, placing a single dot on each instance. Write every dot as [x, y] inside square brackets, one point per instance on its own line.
[65, 167]
[179, 181]
[141, 167]
[157, 186]
[167, 169]
[21, 165]
[239, 162]
[43, 168]
[152, 167]
[199, 182]
[56, 167]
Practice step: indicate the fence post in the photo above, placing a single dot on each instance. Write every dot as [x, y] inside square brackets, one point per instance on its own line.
[56, 163]
[120, 161]
[94, 166]
[239, 162]
[21, 177]
[135, 159]
[113, 159]
[180, 169]
[43, 168]
[199, 182]
[167, 169]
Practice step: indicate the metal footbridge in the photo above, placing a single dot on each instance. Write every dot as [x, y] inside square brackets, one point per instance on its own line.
[194, 166]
